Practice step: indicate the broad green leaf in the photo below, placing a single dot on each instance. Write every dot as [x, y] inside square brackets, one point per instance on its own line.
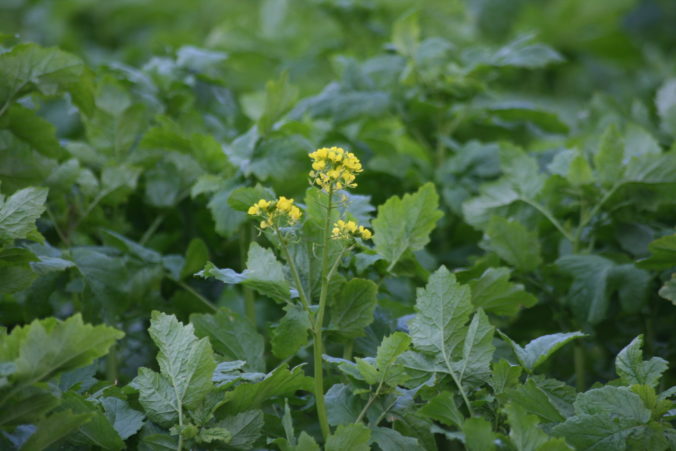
[186, 365]
[444, 409]
[560, 395]
[45, 348]
[439, 327]
[242, 198]
[634, 370]
[306, 443]
[19, 212]
[351, 311]
[524, 431]
[609, 159]
[493, 197]
[292, 332]
[278, 383]
[231, 336]
[513, 243]
[668, 290]
[504, 376]
[389, 350]
[514, 112]
[355, 437]
[494, 293]
[29, 66]
[479, 435]
[40, 134]
[342, 407]
[28, 406]
[98, 431]
[605, 419]
[280, 96]
[540, 349]
[391, 440]
[53, 428]
[519, 53]
[125, 420]
[405, 223]
[535, 401]
[264, 274]
[406, 34]
[195, 258]
[245, 428]
[663, 254]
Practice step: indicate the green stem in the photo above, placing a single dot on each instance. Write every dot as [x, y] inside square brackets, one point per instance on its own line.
[457, 382]
[111, 365]
[152, 229]
[370, 401]
[578, 356]
[586, 219]
[319, 323]
[347, 350]
[190, 290]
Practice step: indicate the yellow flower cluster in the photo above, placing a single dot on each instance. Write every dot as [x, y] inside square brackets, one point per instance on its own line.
[333, 168]
[273, 210]
[349, 229]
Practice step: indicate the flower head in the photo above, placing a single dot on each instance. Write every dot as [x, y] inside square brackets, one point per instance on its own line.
[278, 212]
[343, 230]
[333, 168]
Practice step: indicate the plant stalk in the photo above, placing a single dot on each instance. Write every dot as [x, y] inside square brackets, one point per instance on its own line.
[319, 322]
[578, 356]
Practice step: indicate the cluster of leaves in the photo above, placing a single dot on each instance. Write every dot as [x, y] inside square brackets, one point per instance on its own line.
[530, 150]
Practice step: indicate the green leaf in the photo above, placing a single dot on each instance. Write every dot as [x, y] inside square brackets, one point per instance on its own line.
[479, 435]
[534, 400]
[439, 327]
[306, 443]
[404, 224]
[292, 332]
[668, 290]
[245, 427]
[32, 129]
[392, 440]
[195, 258]
[231, 336]
[186, 365]
[45, 348]
[280, 382]
[513, 243]
[29, 66]
[98, 431]
[280, 96]
[342, 407]
[634, 370]
[53, 428]
[504, 376]
[540, 349]
[605, 419]
[609, 159]
[387, 354]
[264, 274]
[665, 101]
[524, 431]
[27, 407]
[663, 253]
[354, 437]
[125, 420]
[588, 295]
[19, 212]
[444, 409]
[494, 293]
[406, 33]
[351, 311]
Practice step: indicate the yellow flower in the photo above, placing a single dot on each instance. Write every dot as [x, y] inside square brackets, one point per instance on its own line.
[333, 168]
[343, 230]
[280, 212]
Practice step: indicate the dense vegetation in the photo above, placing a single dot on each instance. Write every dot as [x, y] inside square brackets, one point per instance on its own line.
[490, 263]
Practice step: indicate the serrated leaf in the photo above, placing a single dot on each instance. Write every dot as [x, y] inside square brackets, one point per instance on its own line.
[665, 101]
[504, 375]
[280, 382]
[342, 407]
[98, 431]
[351, 311]
[444, 409]
[634, 370]
[534, 400]
[479, 435]
[537, 351]
[186, 365]
[392, 440]
[405, 223]
[245, 428]
[45, 348]
[663, 252]
[439, 327]
[494, 293]
[388, 352]
[264, 274]
[513, 243]
[19, 212]
[53, 428]
[354, 437]
[524, 431]
[292, 332]
[125, 420]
